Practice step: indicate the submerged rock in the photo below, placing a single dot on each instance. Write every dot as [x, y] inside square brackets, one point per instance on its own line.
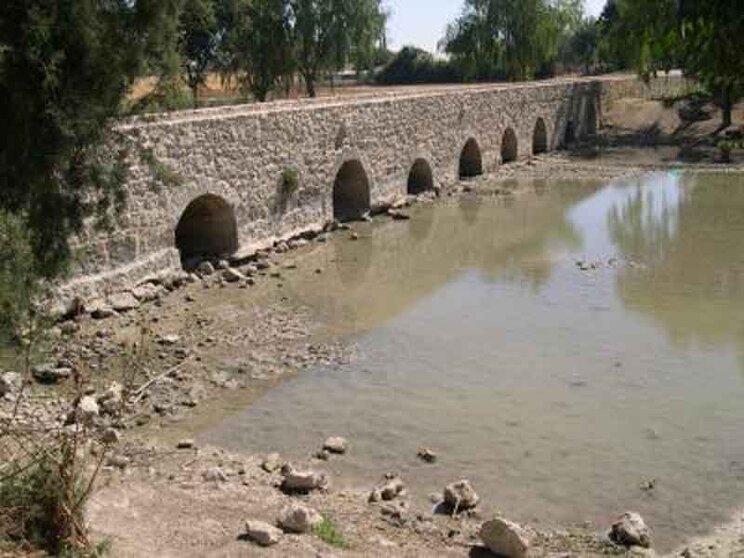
[630, 530]
[460, 496]
[262, 533]
[427, 455]
[336, 444]
[298, 518]
[505, 538]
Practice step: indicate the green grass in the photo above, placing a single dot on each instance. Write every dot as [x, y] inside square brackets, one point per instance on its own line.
[328, 532]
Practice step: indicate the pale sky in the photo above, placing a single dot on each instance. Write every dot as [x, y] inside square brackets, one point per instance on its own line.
[422, 22]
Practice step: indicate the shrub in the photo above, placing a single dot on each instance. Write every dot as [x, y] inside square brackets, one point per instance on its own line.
[328, 532]
[290, 182]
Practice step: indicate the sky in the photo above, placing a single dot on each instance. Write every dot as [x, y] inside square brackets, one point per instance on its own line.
[422, 22]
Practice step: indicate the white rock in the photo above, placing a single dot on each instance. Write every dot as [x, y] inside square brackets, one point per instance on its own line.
[205, 268]
[460, 495]
[146, 292]
[232, 275]
[87, 410]
[336, 444]
[10, 382]
[631, 530]
[262, 533]
[298, 518]
[505, 538]
[123, 302]
[273, 462]
[169, 340]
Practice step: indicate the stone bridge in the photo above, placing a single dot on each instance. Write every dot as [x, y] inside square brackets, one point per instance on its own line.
[210, 182]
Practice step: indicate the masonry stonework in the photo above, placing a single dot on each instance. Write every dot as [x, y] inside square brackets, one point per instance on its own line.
[241, 154]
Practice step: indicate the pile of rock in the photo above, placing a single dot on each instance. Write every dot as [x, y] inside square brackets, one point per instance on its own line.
[294, 518]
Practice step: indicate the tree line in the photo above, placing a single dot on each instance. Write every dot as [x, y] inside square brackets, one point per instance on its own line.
[263, 44]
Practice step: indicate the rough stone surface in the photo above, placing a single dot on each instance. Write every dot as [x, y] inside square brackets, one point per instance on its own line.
[232, 275]
[123, 302]
[336, 444]
[272, 463]
[302, 481]
[262, 533]
[87, 410]
[460, 495]
[505, 538]
[49, 373]
[214, 474]
[9, 382]
[239, 153]
[631, 530]
[298, 518]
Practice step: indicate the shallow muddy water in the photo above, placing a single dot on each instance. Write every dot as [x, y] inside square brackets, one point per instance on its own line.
[557, 389]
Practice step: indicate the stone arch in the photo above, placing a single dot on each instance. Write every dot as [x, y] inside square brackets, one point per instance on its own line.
[420, 177]
[207, 229]
[471, 160]
[540, 137]
[509, 146]
[351, 197]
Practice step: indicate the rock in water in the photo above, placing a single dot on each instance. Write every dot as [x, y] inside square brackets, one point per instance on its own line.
[336, 444]
[460, 496]
[298, 518]
[262, 533]
[630, 530]
[302, 481]
[505, 538]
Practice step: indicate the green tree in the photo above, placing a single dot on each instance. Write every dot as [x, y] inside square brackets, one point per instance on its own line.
[64, 70]
[197, 41]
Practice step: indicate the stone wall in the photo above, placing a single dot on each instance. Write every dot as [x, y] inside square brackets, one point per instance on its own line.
[242, 154]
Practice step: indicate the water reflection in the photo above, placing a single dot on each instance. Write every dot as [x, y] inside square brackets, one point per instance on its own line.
[484, 340]
[687, 236]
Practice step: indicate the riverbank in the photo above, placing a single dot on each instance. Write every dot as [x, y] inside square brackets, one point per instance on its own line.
[206, 345]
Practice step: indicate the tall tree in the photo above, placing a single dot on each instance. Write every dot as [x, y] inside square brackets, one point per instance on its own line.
[64, 70]
[197, 41]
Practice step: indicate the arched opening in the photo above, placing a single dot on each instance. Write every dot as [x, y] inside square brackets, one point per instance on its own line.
[420, 178]
[471, 162]
[509, 148]
[540, 137]
[351, 192]
[207, 229]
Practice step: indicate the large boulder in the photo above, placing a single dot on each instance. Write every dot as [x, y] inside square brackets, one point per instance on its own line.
[302, 481]
[460, 496]
[505, 538]
[298, 518]
[262, 533]
[630, 530]
[49, 373]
